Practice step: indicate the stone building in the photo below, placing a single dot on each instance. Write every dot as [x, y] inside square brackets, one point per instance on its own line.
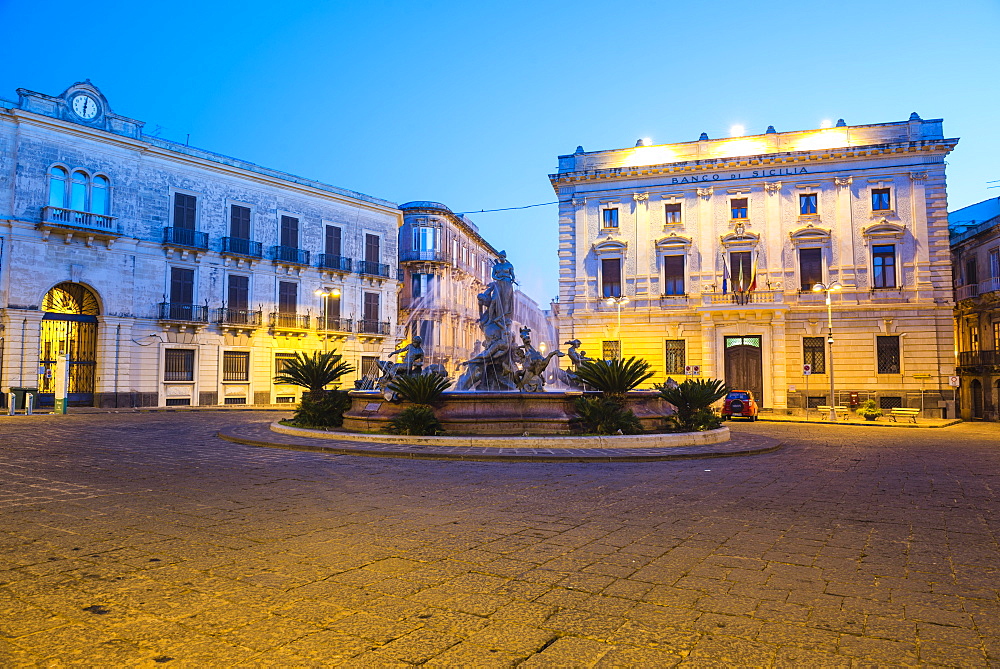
[172, 275]
[708, 252]
[975, 248]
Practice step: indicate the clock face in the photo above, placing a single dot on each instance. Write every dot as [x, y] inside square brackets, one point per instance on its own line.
[85, 106]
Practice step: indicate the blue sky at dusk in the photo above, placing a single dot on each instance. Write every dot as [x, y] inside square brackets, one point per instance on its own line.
[470, 103]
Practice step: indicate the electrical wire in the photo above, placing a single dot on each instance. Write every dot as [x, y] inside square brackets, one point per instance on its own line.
[486, 211]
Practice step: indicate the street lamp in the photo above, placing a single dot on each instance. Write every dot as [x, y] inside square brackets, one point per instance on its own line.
[323, 295]
[823, 288]
[618, 301]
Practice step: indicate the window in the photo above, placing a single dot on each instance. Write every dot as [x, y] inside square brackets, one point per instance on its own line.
[78, 191]
[611, 350]
[235, 365]
[738, 207]
[740, 265]
[100, 196]
[814, 353]
[884, 266]
[887, 352]
[369, 367]
[609, 218]
[289, 232]
[673, 275]
[996, 335]
[239, 222]
[611, 277]
[181, 285]
[371, 307]
[238, 292]
[178, 364]
[810, 268]
[973, 335]
[426, 238]
[880, 199]
[185, 211]
[288, 297]
[334, 239]
[332, 306]
[673, 214]
[372, 248]
[281, 361]
[57, 187]
[971, 272]
[994, 263]
[422, 285]
[807, 204]
[675, 360]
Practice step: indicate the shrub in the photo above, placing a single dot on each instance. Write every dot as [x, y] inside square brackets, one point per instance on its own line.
[614, 377]
[693, 400]
[322, 410]
[418, 419]
[605, 415]
[421, 388]
[313, 372]
[868, 408]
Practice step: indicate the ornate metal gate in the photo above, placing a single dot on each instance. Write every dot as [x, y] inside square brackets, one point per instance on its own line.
[69, 326]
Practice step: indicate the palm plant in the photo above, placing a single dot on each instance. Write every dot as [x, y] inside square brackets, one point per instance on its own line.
[615, 377]
[603, 415]
[420, 388]
[313, 372]
[693, 400]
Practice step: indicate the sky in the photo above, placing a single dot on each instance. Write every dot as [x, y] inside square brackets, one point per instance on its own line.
[471, 103]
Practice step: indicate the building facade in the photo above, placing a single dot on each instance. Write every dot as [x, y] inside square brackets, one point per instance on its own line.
[706, 253]
[171, 275]
[975, 248]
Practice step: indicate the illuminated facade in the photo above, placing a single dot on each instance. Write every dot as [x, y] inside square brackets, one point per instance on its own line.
[715, 246]
[173, 275]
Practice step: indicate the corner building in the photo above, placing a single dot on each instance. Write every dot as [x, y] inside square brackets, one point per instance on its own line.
[172, 275]
[716, 244]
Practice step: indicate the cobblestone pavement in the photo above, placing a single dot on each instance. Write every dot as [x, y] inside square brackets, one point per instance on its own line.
[142, 539]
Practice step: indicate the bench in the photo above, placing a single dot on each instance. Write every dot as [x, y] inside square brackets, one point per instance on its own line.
[842, 412]
[897, 413]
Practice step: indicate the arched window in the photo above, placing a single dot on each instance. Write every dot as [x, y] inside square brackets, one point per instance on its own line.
[78, 192]
[100, 202]
[57, 186]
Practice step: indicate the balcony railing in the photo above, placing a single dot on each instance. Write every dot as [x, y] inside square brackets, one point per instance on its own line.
[79, 219]
[289, 321]
[187, 238]
[179, 311]
[967, 291]
[333, 324]
[373, 269]
[290, 255]
[432, 256]
[989, 285]
[336, 263]
[247, 317]
[242, 247]
[373, 327]
[752, 297]
[978, 358]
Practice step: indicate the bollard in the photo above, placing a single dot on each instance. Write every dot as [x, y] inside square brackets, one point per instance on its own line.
[11, 404]
[28, 398]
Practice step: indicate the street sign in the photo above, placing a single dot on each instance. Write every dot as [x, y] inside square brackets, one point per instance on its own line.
[807, 369]
[954, 381]
[692, 370]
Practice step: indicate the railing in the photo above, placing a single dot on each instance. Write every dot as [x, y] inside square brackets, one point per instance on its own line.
[290, 321]
[178, 311]
[248, 317]
[965, 292]
[336, 263]
[373, 269]
[290, 254]
[373, 327]
[79, 219]
[423, 255]
[978, 358]
[989, 285]
[333, 324]
[184, 237]
[242, 247]
[752, 297]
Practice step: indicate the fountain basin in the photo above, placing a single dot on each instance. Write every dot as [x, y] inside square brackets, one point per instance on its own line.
[499, 413]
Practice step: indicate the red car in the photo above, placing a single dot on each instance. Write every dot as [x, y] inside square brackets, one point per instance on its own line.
[740, 404]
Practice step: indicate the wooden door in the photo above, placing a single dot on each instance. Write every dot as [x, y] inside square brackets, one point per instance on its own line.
[744, 365]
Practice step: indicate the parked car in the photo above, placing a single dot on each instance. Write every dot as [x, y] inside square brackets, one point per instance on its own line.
[740, 404]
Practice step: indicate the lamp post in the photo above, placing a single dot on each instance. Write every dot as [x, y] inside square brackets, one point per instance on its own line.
[618, 301]
[820, 287]
[323, 295]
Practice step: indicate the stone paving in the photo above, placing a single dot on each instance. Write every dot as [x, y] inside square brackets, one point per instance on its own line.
[142, 539]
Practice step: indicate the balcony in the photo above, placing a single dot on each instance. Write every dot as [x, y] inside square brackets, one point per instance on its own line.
[184, 238]
[282, 322]
[334, 263]
[373, 269]
[426, 256]
[741, 299]
[245, 248]
[370, 327]
[183, 313]
[331, 324]
[966, 292]
[70, 222]
[989, 285]
[289, 255]
[977, 360]
[238, 318]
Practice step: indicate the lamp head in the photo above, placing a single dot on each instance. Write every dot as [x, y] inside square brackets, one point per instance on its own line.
[623, 300]
[818, 287]
[835, 286]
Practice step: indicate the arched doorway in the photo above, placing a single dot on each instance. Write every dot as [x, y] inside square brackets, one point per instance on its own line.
[69, 325]
[977, 398]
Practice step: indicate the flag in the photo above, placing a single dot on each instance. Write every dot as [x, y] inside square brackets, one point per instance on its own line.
[741, 284]
[753, 271]
[725, 274]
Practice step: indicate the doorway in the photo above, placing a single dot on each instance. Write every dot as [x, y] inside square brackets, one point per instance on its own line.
[977, 398]
[744, 365]
[69, 326]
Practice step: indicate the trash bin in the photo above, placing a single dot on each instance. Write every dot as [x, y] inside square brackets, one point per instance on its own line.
[19, 398]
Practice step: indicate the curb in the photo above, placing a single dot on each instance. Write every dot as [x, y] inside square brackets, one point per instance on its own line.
[865, 423]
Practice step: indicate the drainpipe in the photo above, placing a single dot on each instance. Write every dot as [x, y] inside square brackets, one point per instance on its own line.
[20, 372]
[118, 343]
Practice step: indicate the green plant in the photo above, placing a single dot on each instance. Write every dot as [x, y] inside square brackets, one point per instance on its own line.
[418, 419]
[420, 388]
[605, 415]
[313, 372]
[693, 400]
[868, 408]
[615, 377]
[322, 410]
